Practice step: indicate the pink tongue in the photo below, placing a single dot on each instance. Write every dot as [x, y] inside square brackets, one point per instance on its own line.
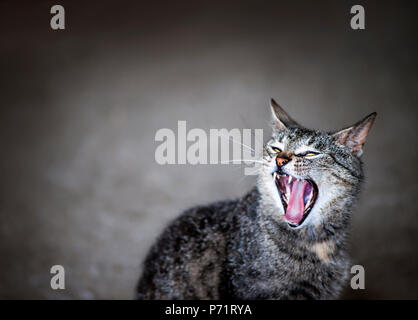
[296, 205]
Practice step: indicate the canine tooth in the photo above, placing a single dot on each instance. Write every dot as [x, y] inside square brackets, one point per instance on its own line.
[289, 180]
[310, 200]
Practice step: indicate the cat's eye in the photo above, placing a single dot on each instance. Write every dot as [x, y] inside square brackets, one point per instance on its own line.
[275, 149]
[308, 154]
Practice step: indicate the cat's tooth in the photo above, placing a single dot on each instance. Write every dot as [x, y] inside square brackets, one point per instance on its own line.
[289, 180]
[310, 199]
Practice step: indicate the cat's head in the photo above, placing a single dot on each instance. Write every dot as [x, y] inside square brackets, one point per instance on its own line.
[311, 176]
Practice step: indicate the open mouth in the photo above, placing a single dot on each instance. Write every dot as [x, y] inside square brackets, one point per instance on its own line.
[298, 197]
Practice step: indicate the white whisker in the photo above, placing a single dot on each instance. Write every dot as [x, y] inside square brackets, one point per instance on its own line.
[241, 160]
[239, 143]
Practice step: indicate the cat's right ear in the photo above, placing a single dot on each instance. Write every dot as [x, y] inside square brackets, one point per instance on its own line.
[354, 137]
[281, 120]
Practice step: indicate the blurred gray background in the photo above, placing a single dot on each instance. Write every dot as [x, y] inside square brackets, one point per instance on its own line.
[80, 109]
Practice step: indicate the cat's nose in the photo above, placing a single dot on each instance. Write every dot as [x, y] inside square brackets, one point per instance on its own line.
[281, 161]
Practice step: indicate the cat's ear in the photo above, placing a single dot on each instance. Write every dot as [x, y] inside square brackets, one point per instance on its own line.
[281, 120]
[354, 137]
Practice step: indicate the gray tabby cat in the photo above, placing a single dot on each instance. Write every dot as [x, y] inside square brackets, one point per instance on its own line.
[285, 239]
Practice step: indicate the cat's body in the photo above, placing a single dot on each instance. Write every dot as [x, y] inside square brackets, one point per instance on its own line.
[264, 246]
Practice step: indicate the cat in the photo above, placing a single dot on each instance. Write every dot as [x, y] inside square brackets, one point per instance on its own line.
[285, 239]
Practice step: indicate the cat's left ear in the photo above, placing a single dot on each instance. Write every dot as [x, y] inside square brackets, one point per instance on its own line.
[354, 137]
[281, 120]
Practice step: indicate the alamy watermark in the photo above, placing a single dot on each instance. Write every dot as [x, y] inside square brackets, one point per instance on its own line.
[58, 280]
[57, 21]
[358, 280]
[217, 146]
[358, 20]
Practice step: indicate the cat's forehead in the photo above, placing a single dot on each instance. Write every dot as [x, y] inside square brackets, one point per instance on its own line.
[296, 137]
